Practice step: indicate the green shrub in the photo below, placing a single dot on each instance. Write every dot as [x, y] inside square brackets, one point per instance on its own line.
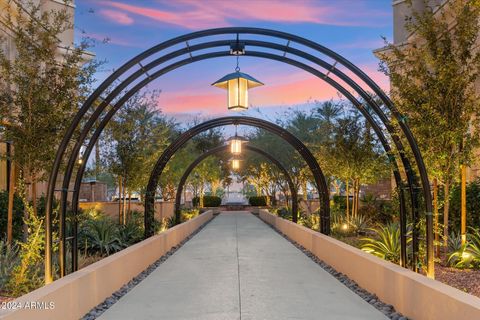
[340, 202]
[188, 214]
[9, 259]
[284, 213]
[17, 219]
[28, 274]
[473, 205]
[258, 201]
[311, 221]
[208, 201]
[373, 209]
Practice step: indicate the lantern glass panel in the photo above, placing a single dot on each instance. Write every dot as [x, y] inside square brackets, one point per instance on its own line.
[238, 94]
[236, 146]
[235, 164]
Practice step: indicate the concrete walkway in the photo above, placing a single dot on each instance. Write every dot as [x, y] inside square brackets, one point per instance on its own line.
[237, 267]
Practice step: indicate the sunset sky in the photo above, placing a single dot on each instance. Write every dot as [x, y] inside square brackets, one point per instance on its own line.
[352, 28]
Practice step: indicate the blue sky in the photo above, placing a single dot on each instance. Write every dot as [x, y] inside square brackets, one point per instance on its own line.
[352, 28]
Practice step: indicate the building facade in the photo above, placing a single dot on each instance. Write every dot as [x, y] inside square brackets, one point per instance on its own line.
[401, 9]
[8, 47]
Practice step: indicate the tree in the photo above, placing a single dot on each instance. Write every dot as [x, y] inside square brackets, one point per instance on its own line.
[356, 155]
[133, 141]
[283, 152]
[174, 170]
[41, 88]
[433, 84]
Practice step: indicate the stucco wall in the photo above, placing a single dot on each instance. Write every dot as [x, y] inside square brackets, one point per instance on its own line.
[77, 293]
[412, 294]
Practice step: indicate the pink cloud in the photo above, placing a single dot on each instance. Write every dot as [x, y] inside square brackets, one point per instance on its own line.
[117, 16]
[297, 88]
[192, 14]
[294, 92]
[179, 101]
[187, 19]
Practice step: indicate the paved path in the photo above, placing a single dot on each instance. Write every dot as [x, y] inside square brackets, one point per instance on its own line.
[237, 267]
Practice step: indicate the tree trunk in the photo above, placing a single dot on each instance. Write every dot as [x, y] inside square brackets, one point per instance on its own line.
[26, 216]
[446, 208]
[124, 206]
[200, 202]
[354, 200]
[97, 159]
[463, 218]
[129, 211]
[357, 205]
[304, 187]
[435, 216]
[11, 198]
[34, 195]
[348, 200]
[119, 199]
[185, 195]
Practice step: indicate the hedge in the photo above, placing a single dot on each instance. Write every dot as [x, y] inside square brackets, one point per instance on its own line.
[208, 201]
[258, 201]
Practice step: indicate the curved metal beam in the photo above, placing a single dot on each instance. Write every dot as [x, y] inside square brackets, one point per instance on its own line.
[307, 68]
[271, 127]
[224, 148]
[125, 69]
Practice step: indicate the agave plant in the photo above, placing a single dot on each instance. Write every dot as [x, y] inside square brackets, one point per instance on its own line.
[472, 251]
[358, 223]
[385, 244]
[130, 233]
[457, 255]
[102, 236]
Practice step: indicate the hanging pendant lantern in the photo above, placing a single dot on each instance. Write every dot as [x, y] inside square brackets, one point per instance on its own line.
[236, 143]
[235, 163]
[237, 85]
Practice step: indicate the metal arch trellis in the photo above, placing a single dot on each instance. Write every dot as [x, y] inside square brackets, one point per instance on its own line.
[144, 69]
[224, 148]
[360, 106]
[162, 161]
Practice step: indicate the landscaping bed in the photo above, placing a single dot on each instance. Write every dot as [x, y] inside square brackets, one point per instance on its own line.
[467, 280]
